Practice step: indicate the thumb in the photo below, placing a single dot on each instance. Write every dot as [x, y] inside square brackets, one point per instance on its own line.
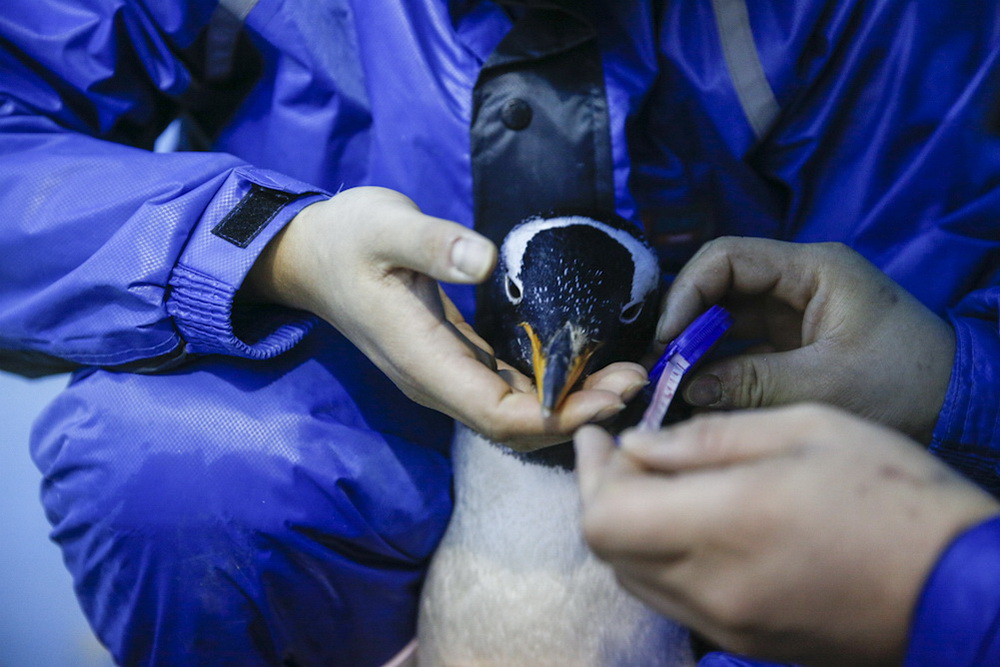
[759, 380]
[439, 248]
[594, 448]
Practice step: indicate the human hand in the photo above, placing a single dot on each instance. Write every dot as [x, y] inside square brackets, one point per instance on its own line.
[835, 330]
[800, 534]
[367, 261]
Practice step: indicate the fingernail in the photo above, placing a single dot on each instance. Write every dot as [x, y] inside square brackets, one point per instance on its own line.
[608, 412]
[472, 256]
[662, 332]
[704, 391]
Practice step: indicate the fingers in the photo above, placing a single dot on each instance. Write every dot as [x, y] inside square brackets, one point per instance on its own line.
[519, 423]
[441, 249]
[440, 362]
[738, 265]
[482, 350]
[502, 404]
[622, 378]
[594, 447]
[663, 492]
[720, 440]
[621, 504]
[650, 581]
[762, 380]
[699, 525]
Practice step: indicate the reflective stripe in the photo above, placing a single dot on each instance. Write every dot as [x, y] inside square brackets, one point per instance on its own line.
[238, 8]
[223, 32]
[745, 68]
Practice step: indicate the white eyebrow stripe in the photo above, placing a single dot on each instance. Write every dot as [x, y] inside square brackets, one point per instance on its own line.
[647, 270]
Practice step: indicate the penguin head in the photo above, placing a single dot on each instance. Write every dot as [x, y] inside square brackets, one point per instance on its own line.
[571, 293]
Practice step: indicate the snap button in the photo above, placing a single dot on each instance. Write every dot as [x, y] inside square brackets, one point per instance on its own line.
[516, 113]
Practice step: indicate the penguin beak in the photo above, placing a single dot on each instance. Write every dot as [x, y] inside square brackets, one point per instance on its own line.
[559, 363]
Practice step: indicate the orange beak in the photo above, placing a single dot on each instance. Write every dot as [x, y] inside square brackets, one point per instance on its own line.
[559, 363]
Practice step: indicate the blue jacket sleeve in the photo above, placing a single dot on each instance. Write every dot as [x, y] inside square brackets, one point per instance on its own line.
[967, 434]
[957, 619]
[891, 143]
[881, 130]
[115, 255]
[718, 659]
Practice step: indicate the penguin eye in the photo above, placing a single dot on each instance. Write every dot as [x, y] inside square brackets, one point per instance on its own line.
[513, 291]
[631, 312]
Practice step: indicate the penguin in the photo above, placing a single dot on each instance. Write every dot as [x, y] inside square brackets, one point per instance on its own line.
[513, 582]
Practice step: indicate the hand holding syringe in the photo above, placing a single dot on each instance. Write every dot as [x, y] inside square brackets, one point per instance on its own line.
[681, 354]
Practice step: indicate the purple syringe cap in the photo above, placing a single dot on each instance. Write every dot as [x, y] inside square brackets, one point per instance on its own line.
[696, 340]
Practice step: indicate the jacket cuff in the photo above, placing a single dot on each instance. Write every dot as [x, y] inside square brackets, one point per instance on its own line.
[719, 659]
[967, 434]
[956, 620]
[251, 207]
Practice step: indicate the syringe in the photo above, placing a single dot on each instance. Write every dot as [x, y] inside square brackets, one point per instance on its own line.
[681, 354]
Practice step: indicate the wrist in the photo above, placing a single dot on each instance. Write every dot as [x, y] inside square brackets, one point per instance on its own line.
[275, 278]
[937, 367]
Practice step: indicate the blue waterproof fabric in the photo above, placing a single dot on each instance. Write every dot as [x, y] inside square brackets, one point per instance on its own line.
[730, 660]
[273, 498]
[957, 621]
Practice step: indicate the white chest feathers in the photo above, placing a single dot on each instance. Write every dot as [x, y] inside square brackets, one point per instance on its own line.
[514, 584]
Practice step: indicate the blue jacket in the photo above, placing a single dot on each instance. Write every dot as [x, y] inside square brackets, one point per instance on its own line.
[206, 469]
[957, 618]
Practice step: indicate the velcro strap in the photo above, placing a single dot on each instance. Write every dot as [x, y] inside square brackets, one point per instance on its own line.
[257, 208]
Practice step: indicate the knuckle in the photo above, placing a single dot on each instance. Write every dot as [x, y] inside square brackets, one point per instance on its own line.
[838, 254]
[752, 390]
[705, 430]
[717, 249]
[834, 249]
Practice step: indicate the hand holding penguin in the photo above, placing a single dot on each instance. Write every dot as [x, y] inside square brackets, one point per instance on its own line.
[367, 261]
[834, 329]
